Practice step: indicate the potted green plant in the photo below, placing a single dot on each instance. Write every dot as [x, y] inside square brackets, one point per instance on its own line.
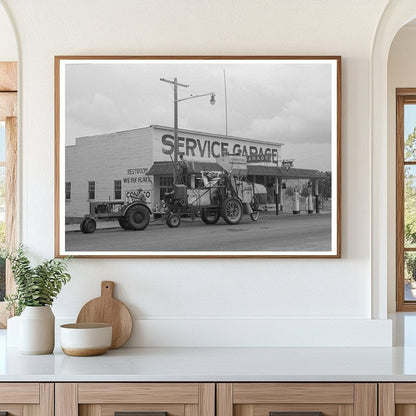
[36, 289]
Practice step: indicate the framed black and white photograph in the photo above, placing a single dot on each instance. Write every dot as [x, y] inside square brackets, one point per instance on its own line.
[198, 156]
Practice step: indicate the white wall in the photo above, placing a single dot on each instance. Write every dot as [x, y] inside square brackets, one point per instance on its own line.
[401, 74]
[203, 302]
[8, 47]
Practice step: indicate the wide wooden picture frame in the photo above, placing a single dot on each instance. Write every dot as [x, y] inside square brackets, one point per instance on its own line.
[186, 156]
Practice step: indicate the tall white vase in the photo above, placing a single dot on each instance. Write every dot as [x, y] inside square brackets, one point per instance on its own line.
[37, 330]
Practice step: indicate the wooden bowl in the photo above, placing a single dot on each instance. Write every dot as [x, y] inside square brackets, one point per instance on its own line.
[84, 340]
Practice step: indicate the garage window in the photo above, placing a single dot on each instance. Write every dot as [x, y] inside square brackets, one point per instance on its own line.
[166, 183]
[67, 190]
[117, 189]
[91, 190]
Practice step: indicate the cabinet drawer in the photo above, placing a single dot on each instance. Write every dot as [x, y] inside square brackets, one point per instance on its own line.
[144, 399]
[297, 399]
[138, 393]
[19, 393]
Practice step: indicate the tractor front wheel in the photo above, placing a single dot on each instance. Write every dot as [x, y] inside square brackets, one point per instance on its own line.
[255, 215]
[210, 215]
[173, 220]
[137, 218]
[232, 210]
[88, 225]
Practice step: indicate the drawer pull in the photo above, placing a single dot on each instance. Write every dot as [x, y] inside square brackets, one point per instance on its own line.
[139, 414]
[295, 414]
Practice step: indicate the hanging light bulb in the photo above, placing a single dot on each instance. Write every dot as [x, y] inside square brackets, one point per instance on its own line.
[212, 100]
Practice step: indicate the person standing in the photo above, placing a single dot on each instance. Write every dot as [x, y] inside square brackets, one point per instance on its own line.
[183, 171]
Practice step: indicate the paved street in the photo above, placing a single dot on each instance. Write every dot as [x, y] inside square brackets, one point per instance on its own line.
[269, 233]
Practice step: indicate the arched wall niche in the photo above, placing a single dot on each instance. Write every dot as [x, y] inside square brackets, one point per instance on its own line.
[9, 50]
[396, 15]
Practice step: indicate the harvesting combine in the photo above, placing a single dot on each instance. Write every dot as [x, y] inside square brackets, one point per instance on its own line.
[223, 194]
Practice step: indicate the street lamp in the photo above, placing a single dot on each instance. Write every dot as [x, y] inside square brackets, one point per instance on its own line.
[175, 116]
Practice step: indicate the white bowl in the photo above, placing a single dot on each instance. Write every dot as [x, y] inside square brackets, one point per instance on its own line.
[84, 340]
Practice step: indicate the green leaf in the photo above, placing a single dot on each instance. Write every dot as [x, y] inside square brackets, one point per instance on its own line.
[35, 286]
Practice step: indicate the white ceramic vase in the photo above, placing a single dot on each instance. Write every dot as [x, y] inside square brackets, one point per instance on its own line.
[37, 330]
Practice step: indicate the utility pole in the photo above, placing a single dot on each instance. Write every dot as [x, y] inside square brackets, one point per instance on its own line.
[175, 84]
[176, 100]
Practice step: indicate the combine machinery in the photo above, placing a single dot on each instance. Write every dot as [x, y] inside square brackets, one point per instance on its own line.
[221, 194]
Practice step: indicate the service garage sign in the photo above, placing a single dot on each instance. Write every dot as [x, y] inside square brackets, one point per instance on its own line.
[194, 146]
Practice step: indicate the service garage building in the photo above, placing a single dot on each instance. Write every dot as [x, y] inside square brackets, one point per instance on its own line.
[114, 166]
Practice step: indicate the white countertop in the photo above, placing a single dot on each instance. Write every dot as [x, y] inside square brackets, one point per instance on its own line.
[215, 364]
[222, 364]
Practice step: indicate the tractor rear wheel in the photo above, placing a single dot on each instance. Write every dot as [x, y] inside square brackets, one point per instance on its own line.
[137, 218]
[123, 223]
[232, 210]
[88, 225]
[210, 216]
[173, 220]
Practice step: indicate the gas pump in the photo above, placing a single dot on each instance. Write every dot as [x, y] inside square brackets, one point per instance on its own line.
[296, 209]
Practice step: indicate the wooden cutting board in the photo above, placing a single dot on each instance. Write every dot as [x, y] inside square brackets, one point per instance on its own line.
[107, 309]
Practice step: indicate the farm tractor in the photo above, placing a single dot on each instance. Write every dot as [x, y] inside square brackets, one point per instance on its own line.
[134, 215]
[221, 194]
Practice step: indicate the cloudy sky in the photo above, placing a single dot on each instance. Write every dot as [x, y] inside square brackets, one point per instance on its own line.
[286, 103]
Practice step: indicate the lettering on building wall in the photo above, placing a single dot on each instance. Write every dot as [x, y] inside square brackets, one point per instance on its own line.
[259, 158]
[133, 195]
[137, 181]
[190, 147]
[137, 175]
